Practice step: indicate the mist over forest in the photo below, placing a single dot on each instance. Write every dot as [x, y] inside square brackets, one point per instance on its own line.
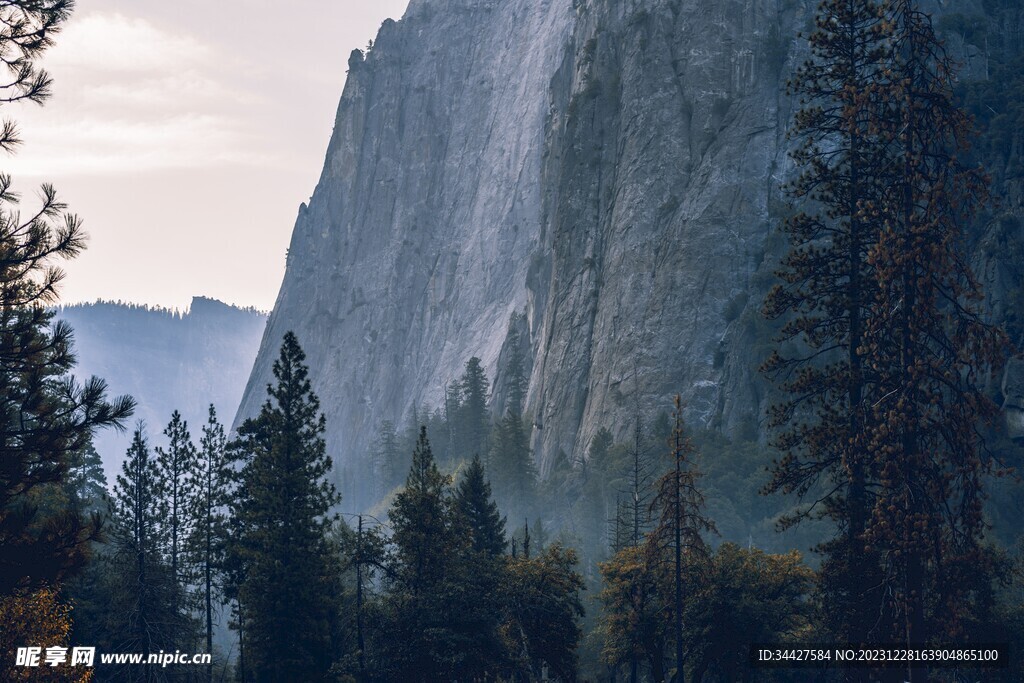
[167, 360]
[639, 342]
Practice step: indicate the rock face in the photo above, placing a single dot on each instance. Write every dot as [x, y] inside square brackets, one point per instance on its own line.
[608, 169]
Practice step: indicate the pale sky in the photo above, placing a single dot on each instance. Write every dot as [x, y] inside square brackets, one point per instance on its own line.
[185, 134]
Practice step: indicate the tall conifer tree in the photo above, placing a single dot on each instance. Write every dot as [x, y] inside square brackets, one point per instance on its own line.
[930, 347]
[828, 291]
[214, 484]
[139, 513]
[510, 462]
[177, 465]
[283, 508]
[387, 457]
[681, 522]
[480, 512]
[476, 421]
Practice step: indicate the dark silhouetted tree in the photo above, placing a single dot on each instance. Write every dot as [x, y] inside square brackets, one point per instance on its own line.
[283, 516]
[214, 480]
[930, 347]
[510, 463]
[145, 588]
[177, 486]
[480, 512]
[475, 419]
[387, 458]
[829, 289]
[46, 417]
[681, 521]
[543, 612]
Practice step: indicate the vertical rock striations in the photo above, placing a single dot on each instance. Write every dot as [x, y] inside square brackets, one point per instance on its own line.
[609, 168]
[415, 248]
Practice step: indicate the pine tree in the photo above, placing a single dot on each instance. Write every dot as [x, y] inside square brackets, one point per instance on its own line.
[475, 418]
[45, 416]
[518, 382]
[176, 466]
[425, 543]
[510, 462]
[387, 458]
[741, 596]
[543, 612]
[421, 520]
[411, 432]
[139, 512]
[283, 510]
[214, 483]
[363, 553]
[480, 512]
[682, 523]
[86, 484]
[453, 421]
[828, 291]
[929, 346]
[443, 600]
[635, 605]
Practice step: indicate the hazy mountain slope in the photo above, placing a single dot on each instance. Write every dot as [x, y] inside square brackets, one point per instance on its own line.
[166, 360]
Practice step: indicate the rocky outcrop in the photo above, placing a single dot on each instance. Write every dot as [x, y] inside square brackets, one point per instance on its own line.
[602, 173]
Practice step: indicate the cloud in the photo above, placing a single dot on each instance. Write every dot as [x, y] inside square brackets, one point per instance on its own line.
[115, 43]
[133, 96]
[166, 92]
[91, 146]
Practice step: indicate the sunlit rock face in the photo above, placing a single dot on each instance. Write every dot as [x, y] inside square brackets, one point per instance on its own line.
[608, 168]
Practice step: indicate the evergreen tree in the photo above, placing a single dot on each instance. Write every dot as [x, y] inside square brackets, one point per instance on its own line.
[213, 479]
[139, 513]
[930, 347]
[86, 484]
[679, 503]
[518, 382]
[425, 543]
[176, 466]
[363, 556]
[421, 518]
[828, 291]
[282, 507]
[513, 472]
[741, 596]
[387, 457]
[45, 416]
[411, 432]
[480, 512]
[635, 604]
[453, 420]
[441, 612]
[543, 612]
[475, 419]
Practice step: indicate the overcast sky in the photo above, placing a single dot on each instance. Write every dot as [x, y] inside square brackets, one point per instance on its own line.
[185, 134]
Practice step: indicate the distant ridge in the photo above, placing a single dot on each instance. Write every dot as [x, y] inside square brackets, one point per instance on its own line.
[167, 359]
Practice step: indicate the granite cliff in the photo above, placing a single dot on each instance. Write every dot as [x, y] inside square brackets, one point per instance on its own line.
[609, 168]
